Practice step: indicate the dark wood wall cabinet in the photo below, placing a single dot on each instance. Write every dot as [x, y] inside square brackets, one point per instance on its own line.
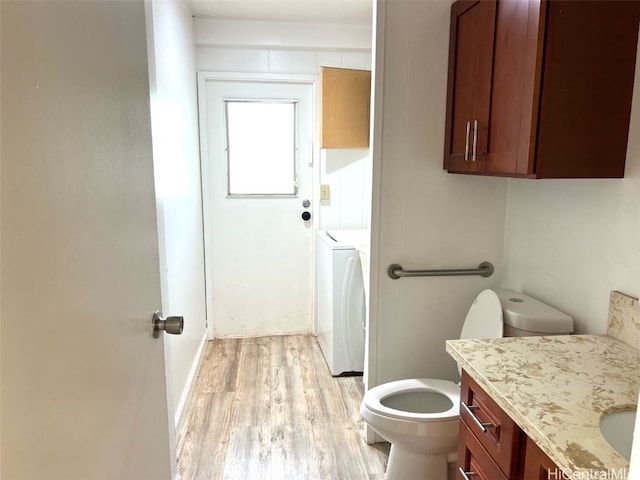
[540, 88]
[491, 446]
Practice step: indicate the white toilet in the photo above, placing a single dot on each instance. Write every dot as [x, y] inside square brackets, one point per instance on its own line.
[419, 417]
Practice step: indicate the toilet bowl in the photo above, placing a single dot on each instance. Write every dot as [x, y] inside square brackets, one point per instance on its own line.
[420, 417]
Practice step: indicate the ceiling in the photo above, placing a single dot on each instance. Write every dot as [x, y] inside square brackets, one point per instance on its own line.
[351, 12]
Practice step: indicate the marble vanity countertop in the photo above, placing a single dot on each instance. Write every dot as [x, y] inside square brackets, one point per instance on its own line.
[556, 389]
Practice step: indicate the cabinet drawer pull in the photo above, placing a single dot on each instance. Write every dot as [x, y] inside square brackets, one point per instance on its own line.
[474, 155]
[466, 143]
[464, 474]
[482, 425]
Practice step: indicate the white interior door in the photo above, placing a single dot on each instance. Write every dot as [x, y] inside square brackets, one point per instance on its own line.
[83, 380]
[258, 143]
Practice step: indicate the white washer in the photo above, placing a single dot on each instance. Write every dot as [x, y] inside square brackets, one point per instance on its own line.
[340, 307]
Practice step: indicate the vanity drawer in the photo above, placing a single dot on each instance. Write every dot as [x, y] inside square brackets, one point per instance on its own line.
[474, 463]
[493, 428]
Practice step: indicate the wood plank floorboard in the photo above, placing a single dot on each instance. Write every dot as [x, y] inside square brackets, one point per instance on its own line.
[267, 409]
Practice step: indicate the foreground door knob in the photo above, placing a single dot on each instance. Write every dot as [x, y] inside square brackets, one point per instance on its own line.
[172, 325]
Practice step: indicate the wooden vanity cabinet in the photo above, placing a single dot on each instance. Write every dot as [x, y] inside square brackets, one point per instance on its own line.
[345, 107]
[540, 89]
[491, 446]
[490, 426]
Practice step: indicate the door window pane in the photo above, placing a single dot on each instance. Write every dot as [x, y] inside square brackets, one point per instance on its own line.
[261, 147]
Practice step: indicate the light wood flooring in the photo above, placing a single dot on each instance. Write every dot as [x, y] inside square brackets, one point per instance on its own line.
[267, 408]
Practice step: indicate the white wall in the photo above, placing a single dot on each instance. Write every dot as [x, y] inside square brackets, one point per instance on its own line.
[347, 171]
[177, 174]
[569, 242]
[277, 34]
[278, 60]
[348, 174]
[422, 216]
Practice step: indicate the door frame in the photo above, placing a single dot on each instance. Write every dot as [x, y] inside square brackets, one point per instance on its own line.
[205, 168]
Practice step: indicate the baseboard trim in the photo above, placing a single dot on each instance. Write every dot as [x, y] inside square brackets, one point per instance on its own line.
[185, 398]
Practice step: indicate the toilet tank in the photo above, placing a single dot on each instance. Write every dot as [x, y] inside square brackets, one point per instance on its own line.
[525, 316]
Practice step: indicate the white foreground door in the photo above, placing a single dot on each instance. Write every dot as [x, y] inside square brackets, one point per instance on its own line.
[83, 381]
[258, 143]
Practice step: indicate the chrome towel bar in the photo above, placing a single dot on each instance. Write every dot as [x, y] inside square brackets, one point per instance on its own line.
[395, 271]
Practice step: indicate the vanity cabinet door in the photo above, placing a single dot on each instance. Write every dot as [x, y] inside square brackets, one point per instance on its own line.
[474, 463]
[537, 465]
[493, 428]
[469, 94]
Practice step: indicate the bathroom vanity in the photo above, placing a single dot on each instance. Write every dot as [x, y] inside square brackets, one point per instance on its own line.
[491, 445]
[531, 405]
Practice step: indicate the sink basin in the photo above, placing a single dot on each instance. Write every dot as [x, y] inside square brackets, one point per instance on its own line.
[617, 429]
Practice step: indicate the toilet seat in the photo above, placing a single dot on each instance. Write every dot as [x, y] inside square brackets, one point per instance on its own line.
[374, 397]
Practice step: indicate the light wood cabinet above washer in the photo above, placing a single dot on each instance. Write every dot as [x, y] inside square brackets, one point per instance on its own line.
[345, 108]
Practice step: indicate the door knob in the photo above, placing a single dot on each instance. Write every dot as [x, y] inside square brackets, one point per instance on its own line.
[306, 216]
[172, 325]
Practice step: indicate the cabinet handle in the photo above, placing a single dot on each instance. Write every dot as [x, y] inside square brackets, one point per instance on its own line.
[466, 144]
[464, 474]
[474, 155]
[482, 425]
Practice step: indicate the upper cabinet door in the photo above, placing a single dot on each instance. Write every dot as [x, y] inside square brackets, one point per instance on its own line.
[586, 88]
[469, 94]
[515, 87]
[346, 101]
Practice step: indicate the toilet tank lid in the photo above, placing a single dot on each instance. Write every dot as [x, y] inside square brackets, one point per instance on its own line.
[527, 313]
